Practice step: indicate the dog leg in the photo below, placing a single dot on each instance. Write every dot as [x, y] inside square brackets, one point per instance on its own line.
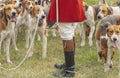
[83, 35]
[79, 29]
[44, 44]
[98, 48]
[14, 41]
[38, 37]
[0, 45]
[92, 29]
[119, 64]
[32, 46]
[109, 56]
[0, 42]
[27, 35]
[53, 32]
[7, 46]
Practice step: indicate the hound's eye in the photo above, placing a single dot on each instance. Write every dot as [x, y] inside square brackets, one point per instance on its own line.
[8, 8]
[38, 10]
[117, 32]
[15, 8]
[14, 1]
[1, 5]
[28, 3]
[98, 10]
[103, 11]
[111, 32]
[21, 0]
[9, 2]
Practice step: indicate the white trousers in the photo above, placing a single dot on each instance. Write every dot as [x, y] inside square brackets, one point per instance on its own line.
[66, 30]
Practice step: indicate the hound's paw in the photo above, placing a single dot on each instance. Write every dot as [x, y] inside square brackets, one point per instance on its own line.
[16, 49]
[30, 54]
[82, 44]
[106, 69]
[90, 43]
[9, 62]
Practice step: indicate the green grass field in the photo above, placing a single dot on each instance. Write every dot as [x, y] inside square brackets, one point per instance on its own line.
[87, 65]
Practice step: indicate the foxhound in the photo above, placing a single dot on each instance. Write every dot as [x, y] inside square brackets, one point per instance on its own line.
[91, 13]
[105, 10]
[107, 38]
[7, 25]
[38, 18]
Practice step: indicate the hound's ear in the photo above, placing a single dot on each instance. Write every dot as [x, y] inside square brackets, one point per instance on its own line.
[32, 12]
[107, 24]
[7, 1]
[110, 11]
[44, 10]
[119, 27]
[107, 29]
[2, 11]
[24, 3]
[86, 7]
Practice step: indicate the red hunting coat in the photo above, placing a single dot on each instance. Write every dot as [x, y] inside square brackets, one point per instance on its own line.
[68, 11]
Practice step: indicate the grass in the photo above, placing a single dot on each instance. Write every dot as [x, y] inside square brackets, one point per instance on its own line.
[87, 65]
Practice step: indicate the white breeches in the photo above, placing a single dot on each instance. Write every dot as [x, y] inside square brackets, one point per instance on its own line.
[66, 30]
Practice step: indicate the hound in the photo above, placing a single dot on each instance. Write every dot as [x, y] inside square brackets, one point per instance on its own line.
[38, 18]
[103, 40]
[91, 13]
[7, 24]
[103, 2]
[18, 4]
[105, 10]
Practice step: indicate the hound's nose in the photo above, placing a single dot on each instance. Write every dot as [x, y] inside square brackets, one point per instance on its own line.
[31, 7]
[43, 17]
[36, 2]
[114, 39]
[98, 16]
[13, 13]
[20, 4]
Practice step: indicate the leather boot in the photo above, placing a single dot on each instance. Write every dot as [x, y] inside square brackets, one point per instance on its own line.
[59, 66]
[68, 70]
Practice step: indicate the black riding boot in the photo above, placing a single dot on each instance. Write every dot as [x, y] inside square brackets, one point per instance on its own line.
[68, 70]
[60, 66]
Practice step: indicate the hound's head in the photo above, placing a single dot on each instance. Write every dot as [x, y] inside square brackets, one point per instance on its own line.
[85, 6]
[113, 32]
[35, 1]
[28, 5]
[116, 4]
[46, 2]
[2, 10]
[17, 3]
[104, 11]
[38, 12]
[2, 6]
[10, 11]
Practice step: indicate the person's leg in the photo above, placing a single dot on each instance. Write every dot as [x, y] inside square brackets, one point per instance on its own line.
[67, 35]
[60, 66]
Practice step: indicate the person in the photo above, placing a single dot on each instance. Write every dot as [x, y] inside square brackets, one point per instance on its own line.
[70, 12]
